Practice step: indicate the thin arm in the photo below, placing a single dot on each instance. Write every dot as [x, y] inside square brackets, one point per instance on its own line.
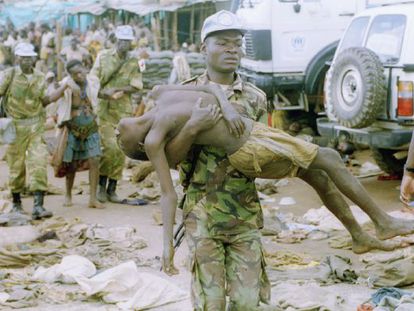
[54, 95]
[154, 147]
[211, 89]
[178, 148]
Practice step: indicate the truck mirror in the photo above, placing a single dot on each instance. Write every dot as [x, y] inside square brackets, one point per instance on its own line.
[408, 67]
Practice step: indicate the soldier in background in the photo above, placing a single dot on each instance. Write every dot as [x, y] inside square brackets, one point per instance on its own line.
[25, 89]
[119, 76]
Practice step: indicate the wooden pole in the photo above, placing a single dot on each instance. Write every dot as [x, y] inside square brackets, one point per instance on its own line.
[166, 32]
[174, 29]
[191, 32]
[79, 22]
[58, 48]
[155, 25]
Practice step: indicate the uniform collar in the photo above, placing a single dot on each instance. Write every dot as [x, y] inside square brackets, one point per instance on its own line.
[18, 71]
[237, 85]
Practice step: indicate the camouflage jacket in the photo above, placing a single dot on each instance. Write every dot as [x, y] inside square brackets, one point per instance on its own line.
[129, 74]
[25, 94]
[231, 199]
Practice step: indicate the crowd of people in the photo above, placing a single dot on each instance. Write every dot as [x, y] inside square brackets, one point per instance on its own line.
[102, 65]
[222, 212]
[83, 46]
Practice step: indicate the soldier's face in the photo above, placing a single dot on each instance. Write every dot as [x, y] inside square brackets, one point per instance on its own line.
[223, 50]
[26, 62]
[78, 73]
[123, 45]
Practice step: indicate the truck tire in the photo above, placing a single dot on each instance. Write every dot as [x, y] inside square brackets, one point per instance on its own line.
[356, 89]
[387, 162]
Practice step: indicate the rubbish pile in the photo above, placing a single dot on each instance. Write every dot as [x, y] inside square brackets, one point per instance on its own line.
[50, 263]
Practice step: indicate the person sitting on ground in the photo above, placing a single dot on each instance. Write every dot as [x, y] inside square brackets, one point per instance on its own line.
[253, 149]
[82, 149]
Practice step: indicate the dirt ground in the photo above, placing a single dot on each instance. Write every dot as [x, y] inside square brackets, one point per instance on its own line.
[385, 194]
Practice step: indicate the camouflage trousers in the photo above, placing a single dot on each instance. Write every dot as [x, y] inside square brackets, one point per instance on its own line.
[112, 160]
[225, 265]
[29, 150]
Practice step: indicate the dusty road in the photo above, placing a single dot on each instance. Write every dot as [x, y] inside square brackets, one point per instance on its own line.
[140, 217]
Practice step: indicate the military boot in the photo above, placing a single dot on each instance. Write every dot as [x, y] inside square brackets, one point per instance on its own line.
[101, 192]
[111, 192]
[17, 203]
[39, 211]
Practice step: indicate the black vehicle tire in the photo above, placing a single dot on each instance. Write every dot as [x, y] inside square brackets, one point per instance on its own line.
[387, 162]
[356, 90]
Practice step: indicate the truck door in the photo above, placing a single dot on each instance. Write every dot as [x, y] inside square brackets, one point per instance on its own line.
[302, 28]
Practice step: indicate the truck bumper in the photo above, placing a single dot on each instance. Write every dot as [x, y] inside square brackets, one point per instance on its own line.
[371, 136]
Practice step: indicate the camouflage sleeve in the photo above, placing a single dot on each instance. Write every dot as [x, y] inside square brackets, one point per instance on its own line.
[96, 68]
[5, 77]
[261, 106]
[42, 87]
[184, 168]
[136, 77]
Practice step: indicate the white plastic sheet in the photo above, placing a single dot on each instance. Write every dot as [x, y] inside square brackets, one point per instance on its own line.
[130, 289]
[67, 271]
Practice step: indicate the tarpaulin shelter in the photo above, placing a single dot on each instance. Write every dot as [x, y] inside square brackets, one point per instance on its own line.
[21, 12]
[172, 21]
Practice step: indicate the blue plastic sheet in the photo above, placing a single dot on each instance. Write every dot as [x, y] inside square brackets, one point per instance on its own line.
[23, 12]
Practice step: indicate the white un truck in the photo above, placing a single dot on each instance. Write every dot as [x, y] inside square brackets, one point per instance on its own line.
[288, 44]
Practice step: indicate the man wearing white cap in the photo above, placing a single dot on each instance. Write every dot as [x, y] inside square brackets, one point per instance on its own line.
[222, 212]
[119, 77]
[25, 89]
[222, 209]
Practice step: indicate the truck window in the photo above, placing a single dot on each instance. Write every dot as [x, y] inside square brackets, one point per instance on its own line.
[386, 36]
[355, 33]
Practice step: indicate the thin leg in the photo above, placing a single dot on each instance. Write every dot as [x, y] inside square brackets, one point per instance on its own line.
[93, 183]
[70, 179]
[386, 226]
[334, 201]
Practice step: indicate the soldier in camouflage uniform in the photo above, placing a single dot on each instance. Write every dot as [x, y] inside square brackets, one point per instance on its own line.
[119, 77]
[222, 212]
[25, 90]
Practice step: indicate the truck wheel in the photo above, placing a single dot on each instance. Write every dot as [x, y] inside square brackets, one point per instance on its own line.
[356, 89]
[387, 162]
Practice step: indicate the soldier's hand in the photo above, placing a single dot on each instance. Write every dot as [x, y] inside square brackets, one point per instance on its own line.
[234, 122]
[168, 261]
[203, 118]
[117, 95]
[107, 93]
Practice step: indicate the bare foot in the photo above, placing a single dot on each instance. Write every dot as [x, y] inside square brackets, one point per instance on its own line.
[96, 204]
[68, 202]
[368, 243]
[395, 227]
